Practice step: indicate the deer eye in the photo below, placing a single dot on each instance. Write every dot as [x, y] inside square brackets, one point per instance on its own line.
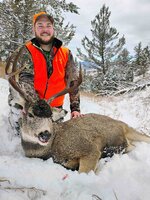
[30, 115]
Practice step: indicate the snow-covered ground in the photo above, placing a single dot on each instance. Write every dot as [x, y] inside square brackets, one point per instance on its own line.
[122, 177]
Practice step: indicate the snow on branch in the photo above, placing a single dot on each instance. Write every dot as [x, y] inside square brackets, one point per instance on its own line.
[132, 89]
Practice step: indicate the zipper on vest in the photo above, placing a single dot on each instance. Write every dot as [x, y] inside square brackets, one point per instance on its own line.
[51, 59]
[46, 89]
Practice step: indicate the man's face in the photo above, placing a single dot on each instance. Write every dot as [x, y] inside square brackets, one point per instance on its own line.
[44, 30]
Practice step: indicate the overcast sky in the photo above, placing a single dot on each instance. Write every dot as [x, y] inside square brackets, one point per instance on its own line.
[131, 18]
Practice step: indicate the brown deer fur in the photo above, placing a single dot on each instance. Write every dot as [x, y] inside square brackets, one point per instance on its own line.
[79, 143]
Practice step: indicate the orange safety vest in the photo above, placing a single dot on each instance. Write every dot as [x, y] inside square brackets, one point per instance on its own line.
[45, 87]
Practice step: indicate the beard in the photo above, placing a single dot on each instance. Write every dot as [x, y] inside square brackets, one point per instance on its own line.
[41, 41]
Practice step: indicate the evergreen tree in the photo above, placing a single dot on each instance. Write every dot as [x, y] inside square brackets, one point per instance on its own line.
[105, 44]
[124, 58]
[124, 69]
[16, 21]
[138, 53]
[102, 51]
[142, 59]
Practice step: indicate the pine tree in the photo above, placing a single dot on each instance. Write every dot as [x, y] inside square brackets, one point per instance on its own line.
[16, 21]
[101, 52]
[105, 44]
[142, 59]
[124, 69]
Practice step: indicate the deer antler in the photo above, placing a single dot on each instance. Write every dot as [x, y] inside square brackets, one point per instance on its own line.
[68, 90]
[15, 85]
[14, 69]
[11, 72]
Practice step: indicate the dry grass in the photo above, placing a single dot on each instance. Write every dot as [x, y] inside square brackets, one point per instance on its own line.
[96, 98]
[2, 70]
[90, 95]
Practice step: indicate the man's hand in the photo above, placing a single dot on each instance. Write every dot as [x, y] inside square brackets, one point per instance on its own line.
[76, 114]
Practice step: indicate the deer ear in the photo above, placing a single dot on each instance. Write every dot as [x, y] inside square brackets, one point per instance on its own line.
[42, 109]
[58, 114]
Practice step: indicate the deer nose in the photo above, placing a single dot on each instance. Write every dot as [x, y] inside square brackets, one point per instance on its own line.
[44, 136]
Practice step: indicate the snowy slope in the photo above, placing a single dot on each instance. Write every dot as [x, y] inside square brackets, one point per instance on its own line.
[123, 177]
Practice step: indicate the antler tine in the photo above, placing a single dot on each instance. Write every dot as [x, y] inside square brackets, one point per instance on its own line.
[14, 69]
[14, 84]
[67, 90]
[13, 73]
[11, 76]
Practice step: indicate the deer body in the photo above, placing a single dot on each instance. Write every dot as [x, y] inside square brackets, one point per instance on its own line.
[79, 143]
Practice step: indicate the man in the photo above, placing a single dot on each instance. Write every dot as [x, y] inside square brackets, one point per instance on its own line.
[46, 65]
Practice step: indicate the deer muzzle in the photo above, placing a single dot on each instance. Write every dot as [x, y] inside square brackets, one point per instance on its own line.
[44, 136]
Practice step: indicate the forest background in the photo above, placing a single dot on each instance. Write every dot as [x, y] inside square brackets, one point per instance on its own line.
[109, 67]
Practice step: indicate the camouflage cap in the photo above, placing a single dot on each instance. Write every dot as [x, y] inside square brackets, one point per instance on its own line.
[37, 16]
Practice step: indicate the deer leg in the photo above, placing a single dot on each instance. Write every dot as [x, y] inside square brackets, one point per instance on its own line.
[72, 164]
[130, 146]
[89, 162]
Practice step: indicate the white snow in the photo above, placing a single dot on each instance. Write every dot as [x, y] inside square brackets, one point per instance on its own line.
[122, 177]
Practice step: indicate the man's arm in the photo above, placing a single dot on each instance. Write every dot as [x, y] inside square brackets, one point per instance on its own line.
[71, 78]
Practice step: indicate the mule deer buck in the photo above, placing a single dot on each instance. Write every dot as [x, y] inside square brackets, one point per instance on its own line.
[77, 143]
